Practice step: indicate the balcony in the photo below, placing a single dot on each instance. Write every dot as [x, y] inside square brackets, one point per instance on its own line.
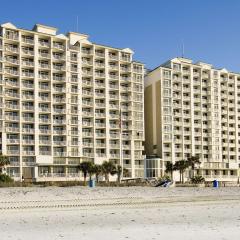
[59, 111]
[87, 73]
[113, 76]
[113, 106]
[45, 131]
[87, 51]
[59, 121]
[114, 146]
[28, 153]
[59, 46]
[100, 125]
[28, 130]
[87, 62]
[43, 43]
[87, 134]
[44, 66]
[59, 67]
[12, 129]
[13, 152]
[88, 114]
[27, 85]
[44, 55]
[87, 93]
[113, 96]
[12, 106]
[87, 144]
[59, 132]
[113, 56]
[11, 49]
[59, 143]
[12, 118]
[60, 154]
[28, 74]
[28, 97]
[88, 154]
[100, 105]
[44, 87]
[11, 71]
[125, 69]
[59, 100]
[28, 108]
[115, 155]
[28, 63]
[61, 79]
[87, 124]
[113, 67]
[99, 94]
[44, 142]
[100, 115]
[113, 86]
[44, 99]
[44, 120]
[44, 153]
[28, 40]
[28, 141]
[27, 52]
[87, 103]
[125, 78]
[13, 141]
[28, 119]
[12, 60]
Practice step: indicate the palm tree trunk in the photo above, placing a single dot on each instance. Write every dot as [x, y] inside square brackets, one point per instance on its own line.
[85, 178]
[106, 178]
[193, 169]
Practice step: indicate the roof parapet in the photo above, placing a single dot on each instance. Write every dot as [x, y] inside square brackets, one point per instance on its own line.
[45, 29]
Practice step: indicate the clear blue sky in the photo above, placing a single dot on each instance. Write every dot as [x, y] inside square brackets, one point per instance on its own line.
[154, 29]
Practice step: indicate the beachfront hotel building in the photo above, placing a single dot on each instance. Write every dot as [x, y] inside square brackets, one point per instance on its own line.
[194, 109]
[63, 100]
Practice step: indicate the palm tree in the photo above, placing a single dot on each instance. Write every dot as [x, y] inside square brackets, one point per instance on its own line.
[193, 161]
[98, 171]
[84, 167]
[170, 169]
[91, 170]
[126, 172]
[4, 160]
[181, 166]
[119, 172]
[108, 168]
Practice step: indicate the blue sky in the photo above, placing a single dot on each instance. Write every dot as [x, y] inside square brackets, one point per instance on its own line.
[154, 29]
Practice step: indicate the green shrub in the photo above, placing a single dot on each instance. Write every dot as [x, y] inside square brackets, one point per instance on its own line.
[198, 179]
[4, 178]
[164, 178]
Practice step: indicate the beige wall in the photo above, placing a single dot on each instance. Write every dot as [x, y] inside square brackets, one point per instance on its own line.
[148, 106]
[158, 108]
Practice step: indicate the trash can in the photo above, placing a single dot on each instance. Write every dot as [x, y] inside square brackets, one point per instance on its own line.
[215, 184]
[91, 183]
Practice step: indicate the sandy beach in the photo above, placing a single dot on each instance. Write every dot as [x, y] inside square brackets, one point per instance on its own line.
[119, 213]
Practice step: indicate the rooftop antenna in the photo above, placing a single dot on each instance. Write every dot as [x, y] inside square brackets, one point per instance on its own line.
[77, 25]
[183, 49]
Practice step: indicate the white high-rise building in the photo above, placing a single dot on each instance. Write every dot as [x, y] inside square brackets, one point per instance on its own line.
[61, 97]
[194, 109]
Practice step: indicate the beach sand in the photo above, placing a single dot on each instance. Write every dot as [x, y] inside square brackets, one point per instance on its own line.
[119, 213]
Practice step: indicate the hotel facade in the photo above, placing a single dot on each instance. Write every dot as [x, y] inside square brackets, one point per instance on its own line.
[194, 109]
[63, 100]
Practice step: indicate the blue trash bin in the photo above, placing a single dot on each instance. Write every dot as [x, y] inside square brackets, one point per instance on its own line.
[91, 183]
[215, 184]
